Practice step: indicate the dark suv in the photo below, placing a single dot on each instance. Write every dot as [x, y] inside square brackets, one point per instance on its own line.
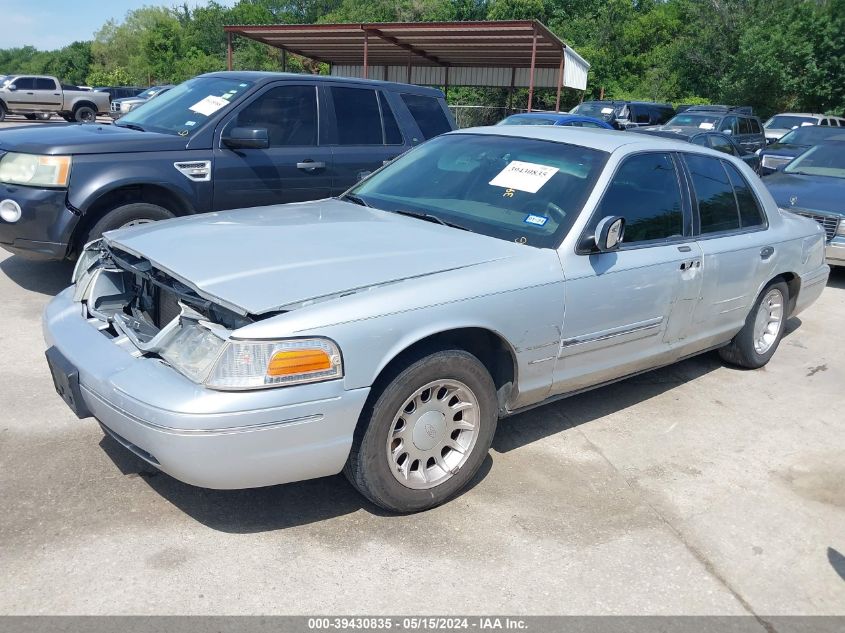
[627, 114]
[735, 121]
[219, 141]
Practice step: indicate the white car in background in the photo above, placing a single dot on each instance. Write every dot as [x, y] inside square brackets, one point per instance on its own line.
[782, 123]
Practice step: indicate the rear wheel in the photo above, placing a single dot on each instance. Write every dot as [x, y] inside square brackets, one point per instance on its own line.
[757, 341]
[426, 434]
[2, 112]
[127, 215]
[84, 114]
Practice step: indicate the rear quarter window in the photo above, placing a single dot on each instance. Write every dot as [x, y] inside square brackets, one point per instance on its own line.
[428, 114]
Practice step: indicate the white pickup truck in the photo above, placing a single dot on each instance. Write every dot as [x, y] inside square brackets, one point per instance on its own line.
[35, 96]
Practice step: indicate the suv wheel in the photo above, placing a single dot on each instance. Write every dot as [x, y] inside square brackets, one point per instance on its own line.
[127, 215]
[426, 434]
[84, 114]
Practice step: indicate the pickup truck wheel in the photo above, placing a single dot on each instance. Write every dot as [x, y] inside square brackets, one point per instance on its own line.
[84, 114]
[757, 341]
[2, 113]
[128, 215]
[426, 434]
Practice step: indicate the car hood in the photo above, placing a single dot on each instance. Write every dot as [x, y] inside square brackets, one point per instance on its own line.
[274, 258]
[775, 132]
[79, 138]
[128, 100]
[821, 193]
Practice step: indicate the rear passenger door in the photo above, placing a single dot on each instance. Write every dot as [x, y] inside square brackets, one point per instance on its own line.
[295, 167]
[736, 252]
[630, 309]
[363, 132]
[48, 94]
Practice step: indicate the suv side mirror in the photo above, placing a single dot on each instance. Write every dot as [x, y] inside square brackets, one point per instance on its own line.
[11, 87]
[246, 138]
[727, 131]
[610, 231]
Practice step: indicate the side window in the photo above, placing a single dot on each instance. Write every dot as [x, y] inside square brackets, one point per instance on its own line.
[645, 191]
[25, 83]
[664, 114]
[358, 117]
[392, 133]
[701, 139]
[428, 114]
[642, 115]
[755, 127]
[45, 84]
[823, 122]
[716, 203]
[729, 125]
[722, 144]
[288, 113]
[750, 212]
[744, 125]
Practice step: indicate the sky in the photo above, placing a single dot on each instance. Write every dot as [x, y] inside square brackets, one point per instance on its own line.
[50, 24]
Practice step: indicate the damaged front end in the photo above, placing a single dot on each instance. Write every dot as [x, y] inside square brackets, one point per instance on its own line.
[150, 313]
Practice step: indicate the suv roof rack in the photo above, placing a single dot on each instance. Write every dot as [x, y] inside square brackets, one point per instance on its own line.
[720, 108]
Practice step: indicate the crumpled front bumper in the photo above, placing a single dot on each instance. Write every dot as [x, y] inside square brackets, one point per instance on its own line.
[203, 437]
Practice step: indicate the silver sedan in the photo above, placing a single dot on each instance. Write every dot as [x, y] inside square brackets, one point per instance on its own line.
[384, 333]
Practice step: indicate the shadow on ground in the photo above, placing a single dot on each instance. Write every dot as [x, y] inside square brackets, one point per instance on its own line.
[46, 278]
[257, 509]
[837, 278]
[837, 561]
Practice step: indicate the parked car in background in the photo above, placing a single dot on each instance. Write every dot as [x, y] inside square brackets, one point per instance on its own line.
[119, 107]
[554, 118]
[714, 140]
[626, 114]
[792, 144]
[782, 123]
[37, 95]
[737, 122]
[813, 185]
[119, 92]
[385, 333]
[218, 141]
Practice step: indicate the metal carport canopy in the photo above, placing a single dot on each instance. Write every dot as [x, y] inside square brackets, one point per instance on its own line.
[521, 53]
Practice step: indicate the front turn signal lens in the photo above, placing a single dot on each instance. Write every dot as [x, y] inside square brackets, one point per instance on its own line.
[298, 362]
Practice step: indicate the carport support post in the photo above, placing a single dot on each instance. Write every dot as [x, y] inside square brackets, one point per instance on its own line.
[533, 63]
[284, 60]
[229, 50]
[366, 55]
[559, 82]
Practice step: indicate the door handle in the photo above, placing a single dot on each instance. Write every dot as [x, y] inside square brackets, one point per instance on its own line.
[766, 252]
[684, 249]
[310, 165]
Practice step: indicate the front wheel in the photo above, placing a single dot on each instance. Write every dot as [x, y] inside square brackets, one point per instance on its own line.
[128, 215]
[426, 434]
[757, 341]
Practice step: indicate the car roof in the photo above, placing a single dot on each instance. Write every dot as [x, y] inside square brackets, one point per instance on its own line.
[599, 139]
[260, 77]
[802, 114]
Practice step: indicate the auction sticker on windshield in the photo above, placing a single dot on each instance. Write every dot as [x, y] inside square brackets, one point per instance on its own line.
[523, 176]
[209, 105]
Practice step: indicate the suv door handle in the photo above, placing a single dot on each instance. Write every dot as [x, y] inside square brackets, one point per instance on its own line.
[310, 165]
[766, 252]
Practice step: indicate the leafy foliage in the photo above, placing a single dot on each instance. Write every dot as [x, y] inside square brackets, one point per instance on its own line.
[775, 55]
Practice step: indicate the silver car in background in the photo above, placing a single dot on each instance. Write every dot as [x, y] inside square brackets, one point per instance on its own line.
[384, 333]
[119, 107]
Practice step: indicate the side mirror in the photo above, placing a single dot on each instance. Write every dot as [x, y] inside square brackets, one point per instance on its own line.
[246, 138]
[728, 132]
[11, 87]
[610, 232]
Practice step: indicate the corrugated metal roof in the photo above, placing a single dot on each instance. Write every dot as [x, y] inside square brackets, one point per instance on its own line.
[494, 45]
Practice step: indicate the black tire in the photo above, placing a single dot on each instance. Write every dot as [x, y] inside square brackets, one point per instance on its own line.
[741, 350]
[2, 112]
[84, 114]
[29, 117]
[123, 215]
[369, 468]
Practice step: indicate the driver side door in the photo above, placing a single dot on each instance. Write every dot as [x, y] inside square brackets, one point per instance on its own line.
[629, 310]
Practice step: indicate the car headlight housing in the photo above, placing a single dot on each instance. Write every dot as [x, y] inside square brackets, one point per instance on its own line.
[204, 353]
[35, 170]
[840, 229]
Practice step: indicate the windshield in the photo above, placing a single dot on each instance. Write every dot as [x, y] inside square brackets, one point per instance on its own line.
[808, 135]
[148, 93]
[827, 159]
[786, 122]
[599, 110]
[703, 121]
[524, 119]
[184, 109]
[516, 189]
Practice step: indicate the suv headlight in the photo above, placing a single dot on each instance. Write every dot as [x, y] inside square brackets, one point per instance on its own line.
[35, 170]
[201, 352]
